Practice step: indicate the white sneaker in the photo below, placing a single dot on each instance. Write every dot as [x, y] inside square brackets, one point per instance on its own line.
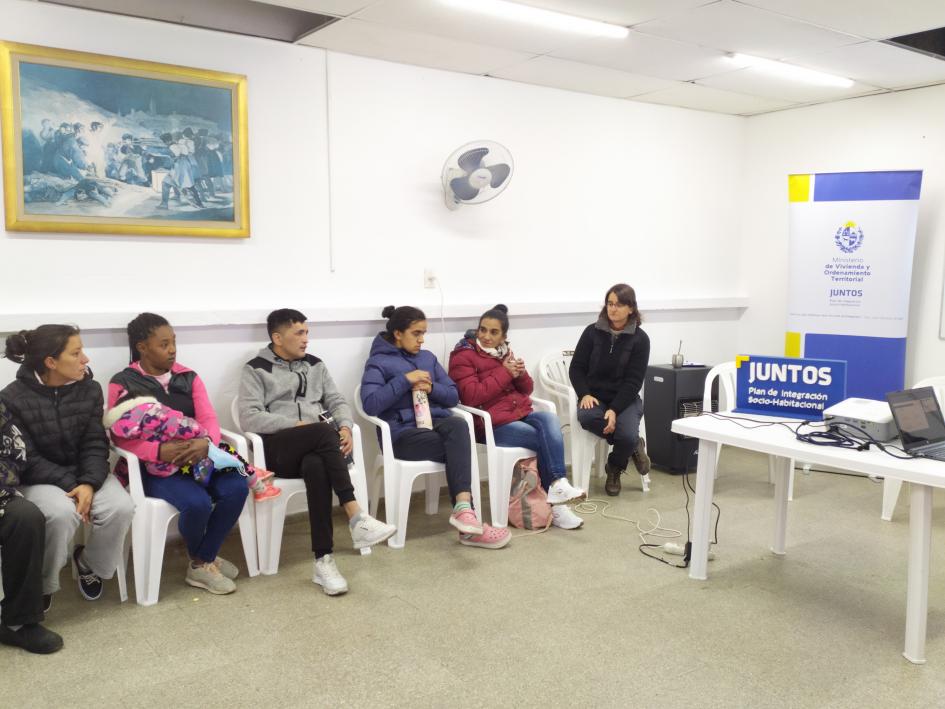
[562, 516]
[327, 576]
[562, 491]
[369, 531]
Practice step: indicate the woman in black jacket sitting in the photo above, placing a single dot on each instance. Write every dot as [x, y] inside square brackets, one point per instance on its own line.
[607, 371]
[58, 408]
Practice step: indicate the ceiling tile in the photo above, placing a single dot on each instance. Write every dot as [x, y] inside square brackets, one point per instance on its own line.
[755, 82]
[368, 39]
[704, 98]
[435, 18]
[548, 71]
[647, 54]
[619, 12]
[878, 64]
[732, 27]
[876, 19]
[338, 8]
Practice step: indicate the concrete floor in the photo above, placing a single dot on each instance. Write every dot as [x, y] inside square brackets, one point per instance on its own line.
[558, 619]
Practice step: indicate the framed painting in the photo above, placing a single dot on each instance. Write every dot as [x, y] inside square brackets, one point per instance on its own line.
[106, 145]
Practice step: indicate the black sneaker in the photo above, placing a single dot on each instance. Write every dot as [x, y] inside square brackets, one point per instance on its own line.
[33, 638]
[90, 585]
[47, 602]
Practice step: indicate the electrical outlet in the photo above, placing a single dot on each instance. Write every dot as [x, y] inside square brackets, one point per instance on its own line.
[429, 278]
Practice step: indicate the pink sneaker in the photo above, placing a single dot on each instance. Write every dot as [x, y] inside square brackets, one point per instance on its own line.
[466, 522]
[268, 492]
[491, 538]
[262, 475]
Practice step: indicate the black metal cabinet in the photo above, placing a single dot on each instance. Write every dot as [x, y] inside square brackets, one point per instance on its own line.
[670, 394]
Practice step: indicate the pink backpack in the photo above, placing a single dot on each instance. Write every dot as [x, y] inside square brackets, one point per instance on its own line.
[528, 501]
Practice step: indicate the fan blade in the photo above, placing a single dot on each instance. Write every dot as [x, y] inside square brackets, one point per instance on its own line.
[470, 160]
[462, 189]
[499, 173]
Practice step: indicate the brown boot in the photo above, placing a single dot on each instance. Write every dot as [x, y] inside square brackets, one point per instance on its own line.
[612, 486]
[640, 459]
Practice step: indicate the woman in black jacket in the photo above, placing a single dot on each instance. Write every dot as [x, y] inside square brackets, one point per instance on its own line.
[58, 408]
[607, 371]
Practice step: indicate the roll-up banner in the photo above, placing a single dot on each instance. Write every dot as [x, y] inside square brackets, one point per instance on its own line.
[852, 237]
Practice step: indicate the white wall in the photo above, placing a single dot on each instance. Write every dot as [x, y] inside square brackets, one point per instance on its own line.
[604, 191]
[900, 131]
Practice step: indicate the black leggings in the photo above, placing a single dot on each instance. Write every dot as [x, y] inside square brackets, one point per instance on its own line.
[312, 452]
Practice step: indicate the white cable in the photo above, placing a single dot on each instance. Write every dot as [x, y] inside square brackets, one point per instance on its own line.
[592, 506]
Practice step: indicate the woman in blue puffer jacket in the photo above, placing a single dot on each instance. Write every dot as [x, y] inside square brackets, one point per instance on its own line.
[398, 367]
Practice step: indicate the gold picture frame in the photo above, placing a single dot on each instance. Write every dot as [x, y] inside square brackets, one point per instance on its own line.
[106, 145]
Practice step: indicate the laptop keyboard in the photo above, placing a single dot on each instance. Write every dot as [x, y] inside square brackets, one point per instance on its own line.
[935, 454]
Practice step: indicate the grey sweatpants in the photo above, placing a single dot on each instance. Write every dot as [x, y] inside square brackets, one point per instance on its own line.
[111, 513]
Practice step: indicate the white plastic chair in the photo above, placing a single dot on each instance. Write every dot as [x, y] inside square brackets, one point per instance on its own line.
[501, 461]
[270, 515]
[726, 373]
[892, 486]
[153, 517]
[585, 446]
[399, 475]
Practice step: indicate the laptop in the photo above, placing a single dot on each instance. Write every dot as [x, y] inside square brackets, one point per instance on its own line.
[918, 417]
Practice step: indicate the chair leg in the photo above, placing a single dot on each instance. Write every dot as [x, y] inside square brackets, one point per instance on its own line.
[718, 454]
[401, 508]
[270, 517]
[156, 543]
[377, 484]
[891, 488]
[360, 494]
[248, 536]
[499, 500]
[122, 571]
[140, 527]
[432, 483]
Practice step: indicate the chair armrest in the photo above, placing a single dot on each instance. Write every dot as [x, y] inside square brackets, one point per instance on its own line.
[474, 459]
[358, 451]
[135, 486]
[259, 450]
[486, 423]
[387, 445]
[237, 441]
[544, 405]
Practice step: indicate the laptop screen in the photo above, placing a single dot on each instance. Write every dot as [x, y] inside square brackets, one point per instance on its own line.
[918, 417]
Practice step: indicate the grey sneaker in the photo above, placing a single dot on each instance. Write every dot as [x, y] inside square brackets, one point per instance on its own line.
[227, 568]
[209, 577]
[327, 576]
[369, 531]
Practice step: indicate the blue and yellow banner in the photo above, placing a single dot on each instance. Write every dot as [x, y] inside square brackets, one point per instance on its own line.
[852, 237]
[787, 386]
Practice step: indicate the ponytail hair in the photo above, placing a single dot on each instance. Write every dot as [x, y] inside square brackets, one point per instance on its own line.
[32, 347]
[140, 329]
[498, 312]
[400, 318]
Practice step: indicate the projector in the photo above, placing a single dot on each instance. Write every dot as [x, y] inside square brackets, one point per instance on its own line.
[872, 418]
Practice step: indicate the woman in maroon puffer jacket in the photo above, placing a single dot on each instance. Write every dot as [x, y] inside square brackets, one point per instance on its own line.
[490, 377]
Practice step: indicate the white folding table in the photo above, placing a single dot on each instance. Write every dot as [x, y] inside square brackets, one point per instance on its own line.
[923, 476]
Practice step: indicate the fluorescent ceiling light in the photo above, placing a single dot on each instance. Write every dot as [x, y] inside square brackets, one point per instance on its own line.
[790, 71]
[537, 16]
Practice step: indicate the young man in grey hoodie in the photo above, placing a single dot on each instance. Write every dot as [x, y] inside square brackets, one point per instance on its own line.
[285, 394]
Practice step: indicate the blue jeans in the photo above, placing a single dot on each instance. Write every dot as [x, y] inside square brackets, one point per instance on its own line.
[207, 514]
[541, 432]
